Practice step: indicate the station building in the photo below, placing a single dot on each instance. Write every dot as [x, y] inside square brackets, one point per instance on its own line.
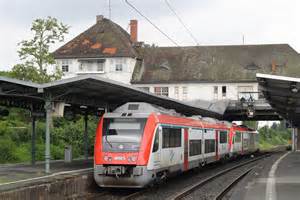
[183, 73]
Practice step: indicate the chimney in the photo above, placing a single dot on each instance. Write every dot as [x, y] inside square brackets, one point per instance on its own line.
[99, 18]
[133, 30]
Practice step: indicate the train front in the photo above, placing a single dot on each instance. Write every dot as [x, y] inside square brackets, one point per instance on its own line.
[119, 157]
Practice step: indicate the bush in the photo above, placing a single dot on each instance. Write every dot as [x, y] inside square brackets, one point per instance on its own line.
[7, 151]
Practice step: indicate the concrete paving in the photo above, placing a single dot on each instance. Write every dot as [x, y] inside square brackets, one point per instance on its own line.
[19, 172]
[277, 178]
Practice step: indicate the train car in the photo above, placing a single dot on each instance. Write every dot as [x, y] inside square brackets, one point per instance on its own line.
[243, 140]
[140, 143]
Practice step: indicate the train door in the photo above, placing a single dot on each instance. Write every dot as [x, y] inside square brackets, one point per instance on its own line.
[252, 141]
[172, 147]
[155, 158]
[210, 145]
[245, 141]
[223, 143]
[196, 147]
[217, 145]
[186, 149]
[237, 142]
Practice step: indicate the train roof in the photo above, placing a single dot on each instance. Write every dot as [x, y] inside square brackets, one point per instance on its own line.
[140, 109]
[143, 110]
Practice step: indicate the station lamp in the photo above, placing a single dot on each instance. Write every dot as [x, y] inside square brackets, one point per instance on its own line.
[293, 87]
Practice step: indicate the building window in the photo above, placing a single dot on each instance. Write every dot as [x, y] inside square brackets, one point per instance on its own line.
[210, 146]
[224, 91]
[100, 65]
[163, 91]
[146, 89]
[171, 137]
[92, 65]
[195, 147]
[119, 67]
[223, 137]
[184, 92]
[176, 92]
[65, 65]
[215, 92]
[65, 68]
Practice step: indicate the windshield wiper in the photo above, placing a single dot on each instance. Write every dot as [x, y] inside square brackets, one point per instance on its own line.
[108, 142]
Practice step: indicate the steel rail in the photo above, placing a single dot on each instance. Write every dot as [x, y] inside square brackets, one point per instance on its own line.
[134, 195]
[232, 184]
[196, 186]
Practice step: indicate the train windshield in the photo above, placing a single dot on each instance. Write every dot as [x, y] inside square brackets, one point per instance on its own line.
[122, 135]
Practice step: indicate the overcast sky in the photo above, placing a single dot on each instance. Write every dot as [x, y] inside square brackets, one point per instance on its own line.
[213, 22]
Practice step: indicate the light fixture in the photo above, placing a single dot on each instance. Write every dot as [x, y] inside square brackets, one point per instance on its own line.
[293, 87]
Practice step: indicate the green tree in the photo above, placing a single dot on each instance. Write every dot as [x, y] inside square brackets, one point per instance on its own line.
[35, 52]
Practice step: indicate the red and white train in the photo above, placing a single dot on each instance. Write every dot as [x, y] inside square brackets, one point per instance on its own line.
[139, 144]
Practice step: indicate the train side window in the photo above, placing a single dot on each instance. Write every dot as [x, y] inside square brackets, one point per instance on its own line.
[238, 137]
[223, 137]
[171, 137]
[210, 146]
[195, 147]
[156, 141]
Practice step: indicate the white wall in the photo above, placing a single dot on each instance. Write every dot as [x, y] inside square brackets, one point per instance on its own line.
[109, 69]
[204, 91]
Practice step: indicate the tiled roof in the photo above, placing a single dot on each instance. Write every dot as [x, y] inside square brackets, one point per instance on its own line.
[215, 63]
[104, 39]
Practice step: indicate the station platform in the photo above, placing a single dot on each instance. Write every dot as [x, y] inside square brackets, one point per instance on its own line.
[71, 180]
[12, 175]
[277, 178]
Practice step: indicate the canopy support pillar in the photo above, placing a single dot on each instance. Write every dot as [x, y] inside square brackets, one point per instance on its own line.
[86, 147]
[48, 108]
[33, 138]
[295, 142]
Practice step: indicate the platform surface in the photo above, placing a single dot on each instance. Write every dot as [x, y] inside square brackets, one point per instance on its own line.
[10, 173]
[278, 178]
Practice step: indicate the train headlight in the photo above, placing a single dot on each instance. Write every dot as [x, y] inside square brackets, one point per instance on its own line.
[132, 158]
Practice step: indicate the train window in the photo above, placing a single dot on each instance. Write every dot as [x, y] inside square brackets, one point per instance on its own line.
[238, 137]
[156, 141]
[171, 137]
[223, 137]
[210, 146]
[195, 147]
[122, 135]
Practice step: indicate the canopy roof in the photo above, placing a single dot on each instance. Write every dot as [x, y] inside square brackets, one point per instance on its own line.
[283, 95]
[94, 92]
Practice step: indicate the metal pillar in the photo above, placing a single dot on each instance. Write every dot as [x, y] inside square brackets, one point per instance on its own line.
[48, 108]
[33, 140]
[294, 139]
[86, 147]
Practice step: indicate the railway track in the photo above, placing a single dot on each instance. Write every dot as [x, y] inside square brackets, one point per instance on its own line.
[134, 195]
[232, 184]
[197, 186]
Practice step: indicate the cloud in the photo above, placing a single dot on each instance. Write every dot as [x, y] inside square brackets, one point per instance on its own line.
[213, 22]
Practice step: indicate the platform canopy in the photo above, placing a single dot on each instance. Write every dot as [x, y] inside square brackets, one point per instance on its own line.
[18, 93]
[94, 92]
[283, 95]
